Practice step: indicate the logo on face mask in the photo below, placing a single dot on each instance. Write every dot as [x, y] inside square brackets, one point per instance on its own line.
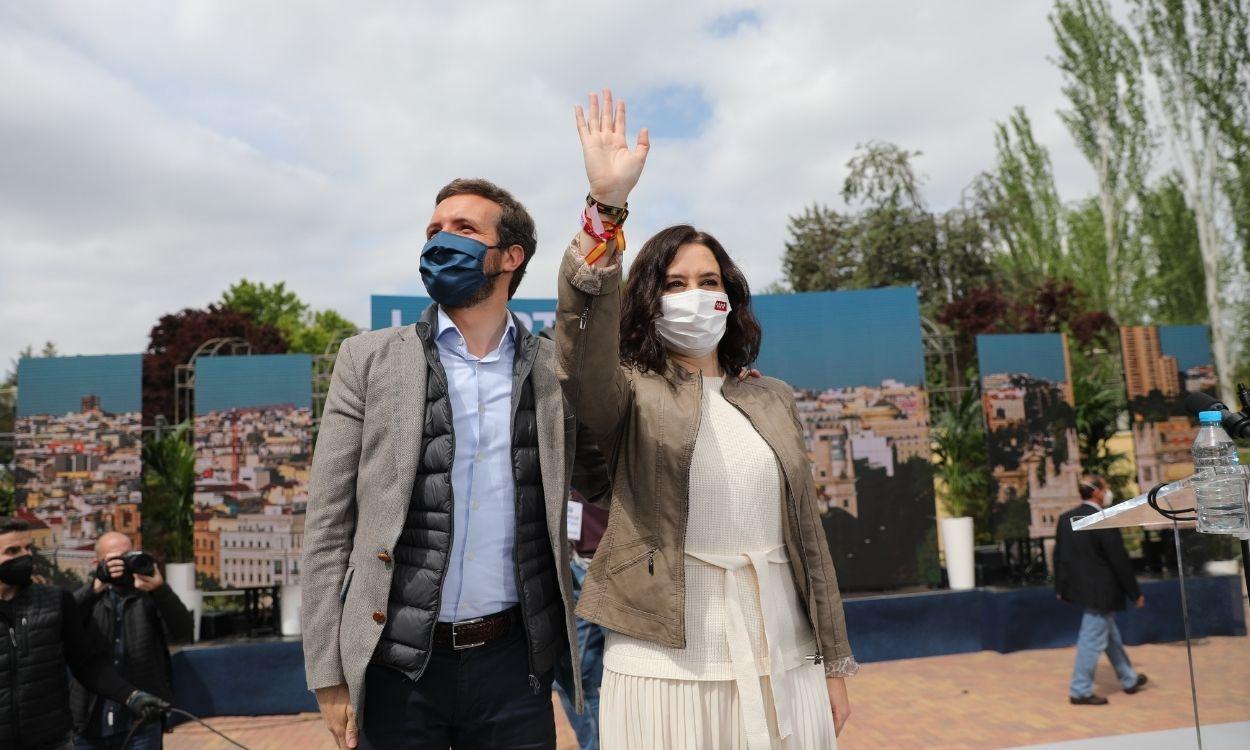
[693, 323]
[453, 267]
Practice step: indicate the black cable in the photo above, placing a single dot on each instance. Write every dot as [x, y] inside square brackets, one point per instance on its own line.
[1174, 515]
[190, 716]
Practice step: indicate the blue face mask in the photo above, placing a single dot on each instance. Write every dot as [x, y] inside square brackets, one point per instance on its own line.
[453, 267]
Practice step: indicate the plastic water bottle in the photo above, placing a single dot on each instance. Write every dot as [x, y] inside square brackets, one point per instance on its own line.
[1218, 479]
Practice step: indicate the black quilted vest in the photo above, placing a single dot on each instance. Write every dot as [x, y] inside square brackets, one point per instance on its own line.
[34, 685]
[424, 545]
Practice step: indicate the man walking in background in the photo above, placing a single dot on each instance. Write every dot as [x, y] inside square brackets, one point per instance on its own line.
[137, 616]
[1093, 570]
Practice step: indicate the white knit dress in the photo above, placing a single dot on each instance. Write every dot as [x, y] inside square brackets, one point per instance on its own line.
[743, 680]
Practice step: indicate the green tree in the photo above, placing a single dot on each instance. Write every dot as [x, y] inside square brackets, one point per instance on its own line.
[1098, 390]
[890, 238]
[1021, 205]
[1171, 288]
[1102, 70]
[1195, 51]
[168, 522]
[304, 329]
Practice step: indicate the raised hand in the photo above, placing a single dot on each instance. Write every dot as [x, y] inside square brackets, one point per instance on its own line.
[612, 168]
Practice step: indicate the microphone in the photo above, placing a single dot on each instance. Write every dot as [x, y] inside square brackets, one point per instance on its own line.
[1235, 422]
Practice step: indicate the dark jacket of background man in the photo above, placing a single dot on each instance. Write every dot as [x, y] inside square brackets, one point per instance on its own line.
[1092, 568]
[150, 623]
[42, 633]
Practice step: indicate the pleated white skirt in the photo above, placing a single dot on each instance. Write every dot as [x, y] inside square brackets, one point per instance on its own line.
[653, 713]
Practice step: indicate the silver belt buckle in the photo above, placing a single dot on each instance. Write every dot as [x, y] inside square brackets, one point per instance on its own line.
[455, 642]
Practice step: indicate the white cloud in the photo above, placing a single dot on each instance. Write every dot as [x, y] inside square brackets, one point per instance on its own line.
[156, 152]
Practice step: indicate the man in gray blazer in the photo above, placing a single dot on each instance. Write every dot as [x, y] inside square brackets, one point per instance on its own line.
[436, 589]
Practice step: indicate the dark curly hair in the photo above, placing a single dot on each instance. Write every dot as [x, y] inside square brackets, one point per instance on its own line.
[641, 346]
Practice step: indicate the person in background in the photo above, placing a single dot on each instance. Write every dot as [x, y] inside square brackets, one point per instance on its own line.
[586, 526]
[137, 616]
[1093, 571]
[41, 633]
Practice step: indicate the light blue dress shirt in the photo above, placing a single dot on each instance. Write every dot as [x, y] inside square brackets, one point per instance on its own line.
[481, 570]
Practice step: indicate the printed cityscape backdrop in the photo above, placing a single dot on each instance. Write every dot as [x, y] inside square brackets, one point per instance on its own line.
[1162, 365]
[77, 455]
[253, 442]
[1026, 391]
[864, 411]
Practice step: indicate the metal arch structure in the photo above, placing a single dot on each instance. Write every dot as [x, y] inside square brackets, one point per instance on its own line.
[184, 374]
[941, 354]
[323, 369]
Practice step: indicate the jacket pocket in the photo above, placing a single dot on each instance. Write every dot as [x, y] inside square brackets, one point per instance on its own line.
[628, 555]
[347, 582]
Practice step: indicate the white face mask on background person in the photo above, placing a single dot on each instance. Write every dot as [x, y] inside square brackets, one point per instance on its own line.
[692, 323]
[1108, 498]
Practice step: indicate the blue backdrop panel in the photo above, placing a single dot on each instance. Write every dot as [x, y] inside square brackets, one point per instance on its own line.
[56, 385]
[259, 380]
[397, 310]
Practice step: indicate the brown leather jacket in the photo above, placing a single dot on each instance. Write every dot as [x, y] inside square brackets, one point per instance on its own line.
[646, 425]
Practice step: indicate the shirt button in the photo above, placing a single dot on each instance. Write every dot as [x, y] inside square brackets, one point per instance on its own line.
[469, 556]
[379, 617]
[476, 505]
[477, 456]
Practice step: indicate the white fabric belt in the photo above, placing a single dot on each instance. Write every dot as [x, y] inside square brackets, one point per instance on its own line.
[742, 650]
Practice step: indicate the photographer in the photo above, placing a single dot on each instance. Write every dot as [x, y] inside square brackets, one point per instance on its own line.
[40, 634]
[127, 604]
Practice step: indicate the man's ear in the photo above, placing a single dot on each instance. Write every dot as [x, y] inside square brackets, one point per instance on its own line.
[513, 257]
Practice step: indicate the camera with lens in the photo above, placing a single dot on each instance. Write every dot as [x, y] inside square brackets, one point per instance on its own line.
[136, 562]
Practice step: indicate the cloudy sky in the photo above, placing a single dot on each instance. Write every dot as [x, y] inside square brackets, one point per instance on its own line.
[154, 152]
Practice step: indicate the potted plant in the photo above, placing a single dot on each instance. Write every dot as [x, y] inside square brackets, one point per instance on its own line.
[168, 517]
[963, 484]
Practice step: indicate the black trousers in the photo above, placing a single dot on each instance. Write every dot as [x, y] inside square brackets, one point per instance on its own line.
[475, 699]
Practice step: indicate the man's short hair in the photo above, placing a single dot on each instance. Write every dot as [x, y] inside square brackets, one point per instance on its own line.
[10, 524]
[516, 226]
[1091, 484]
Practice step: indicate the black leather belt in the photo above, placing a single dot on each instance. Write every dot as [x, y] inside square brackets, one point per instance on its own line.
[476, 632]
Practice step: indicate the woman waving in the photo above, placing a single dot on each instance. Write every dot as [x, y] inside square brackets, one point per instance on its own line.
[714, 579]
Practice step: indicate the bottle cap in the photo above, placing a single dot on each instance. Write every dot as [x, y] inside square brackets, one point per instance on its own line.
[1209, 416]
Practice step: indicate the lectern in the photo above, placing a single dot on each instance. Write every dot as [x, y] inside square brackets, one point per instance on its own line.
[1170, 505]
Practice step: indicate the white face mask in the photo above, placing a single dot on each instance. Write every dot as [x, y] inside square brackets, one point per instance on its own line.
[1108, 498]
[692, 323]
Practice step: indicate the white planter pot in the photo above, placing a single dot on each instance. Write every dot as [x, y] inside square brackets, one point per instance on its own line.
[1222, 567]
[290, 597]
[180, 577]
[957, 545]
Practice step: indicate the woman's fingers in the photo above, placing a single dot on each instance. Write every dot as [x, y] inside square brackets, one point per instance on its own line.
[606, 125]
[579, 119]
[619, 126]
[592, 122]
[644, 144]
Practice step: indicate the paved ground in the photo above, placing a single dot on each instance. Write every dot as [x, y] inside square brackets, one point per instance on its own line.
[1235, 736]
[967, 702]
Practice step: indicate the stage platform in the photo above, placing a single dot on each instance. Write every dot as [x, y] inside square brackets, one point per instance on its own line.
[254, 678]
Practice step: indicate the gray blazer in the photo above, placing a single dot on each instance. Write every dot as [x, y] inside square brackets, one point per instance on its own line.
[362, 475]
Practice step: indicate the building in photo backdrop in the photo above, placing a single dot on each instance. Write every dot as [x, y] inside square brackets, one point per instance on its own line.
[253, 443]
[78, 452]
[1030, 419]
[856, 361]
[1162, 365]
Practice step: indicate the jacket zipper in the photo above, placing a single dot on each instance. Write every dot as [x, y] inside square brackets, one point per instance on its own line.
[792, 504]
[685, 521]
[535, 686]
[437, 369]
[581, 324]
[13, 685]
